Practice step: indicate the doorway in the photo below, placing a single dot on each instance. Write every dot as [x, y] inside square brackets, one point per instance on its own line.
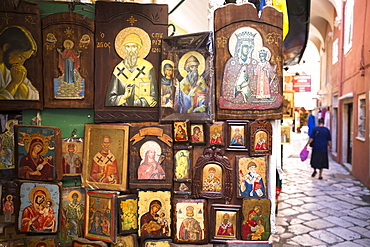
[347, 133]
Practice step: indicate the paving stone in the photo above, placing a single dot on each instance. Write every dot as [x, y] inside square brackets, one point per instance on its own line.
[326, 236]
[281, 221]
[362, 242]
[280, 229]
[299, 229]
[351, 200]
[355, 221]
[344, 233]
[363, 231]
[288, 211]
[283, 205]
[363, 210]
[307, 217]
[325, 198]
[312, 206]
[287, 235]
[347, 244]
[333, 212]
[296, 221]
[319, 224]
[339, 221]
[334, 206]
[320, 214]
[307, 240]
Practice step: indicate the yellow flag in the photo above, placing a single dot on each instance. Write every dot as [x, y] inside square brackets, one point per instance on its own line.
[281, 5]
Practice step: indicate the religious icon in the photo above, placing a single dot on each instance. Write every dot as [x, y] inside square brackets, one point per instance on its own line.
[11, 237]
[133, 81]
[105, 158]
[70, 85]
[7, 149]
[181, 131]
[192, 84]
[126, 241]
[168, 83]
[41, 241]
[249, 77]
[83, 242]
[151, 157]
[285, 134]
[157, 243]
[100, 216]
[154, 214]
[190, 222]
[183, 159]
[251, 176]
[39, 207]
[15, 37]
[225, 222]
[237, 135]
[38, 153]
[216, 134]
[256, 223]
[261, 138]
[127, 208]
[197, 134]
[73, 214]
[212, 178]
[72, 152]
[8, 199]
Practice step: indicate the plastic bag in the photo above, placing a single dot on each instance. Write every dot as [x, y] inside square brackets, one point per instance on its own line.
[304, 154]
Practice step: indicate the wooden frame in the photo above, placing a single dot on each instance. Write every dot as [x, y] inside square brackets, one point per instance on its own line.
[146, 24]
[251, 177]
[101, 216]
[30, 195]
[181, 131]
[102, 170]
[127, 214]
[288, 104]
[260, 141]
[216, 133]
[10, 234]
[30, 138]
[68, 38]
[72, 153]
[239, 243]
[237, 135]
[212, 175]
[149, 202]
[190, 221]
[157, 242]
[254, 88]
[24, 22]
[197, 134]
[184, 97]
[72, 209]
[285, 134]
[151, 157]
[256, 213]
[225, 222]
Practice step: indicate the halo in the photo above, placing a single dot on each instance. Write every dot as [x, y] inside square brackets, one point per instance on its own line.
[49, 200]
[72, 192]
[150, 145]
[11, 197]
[70, 41]
[28, 139]
[32, 192]
[66, 147]
[257, 40]
[164, 62]
[183, 59]
[143, 52]
[10, 124]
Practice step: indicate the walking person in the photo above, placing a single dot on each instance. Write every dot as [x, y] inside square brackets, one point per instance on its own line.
[320, 139]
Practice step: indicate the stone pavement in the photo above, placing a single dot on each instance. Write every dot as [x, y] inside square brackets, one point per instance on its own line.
[334, 211]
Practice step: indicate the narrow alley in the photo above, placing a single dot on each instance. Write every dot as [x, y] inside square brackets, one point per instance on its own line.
[334, 211]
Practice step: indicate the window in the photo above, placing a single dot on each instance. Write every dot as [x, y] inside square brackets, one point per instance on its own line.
[361, 131]
[348, 25]
[335, 52]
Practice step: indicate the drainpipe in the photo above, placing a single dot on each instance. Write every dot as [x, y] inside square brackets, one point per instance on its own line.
[340, 105]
